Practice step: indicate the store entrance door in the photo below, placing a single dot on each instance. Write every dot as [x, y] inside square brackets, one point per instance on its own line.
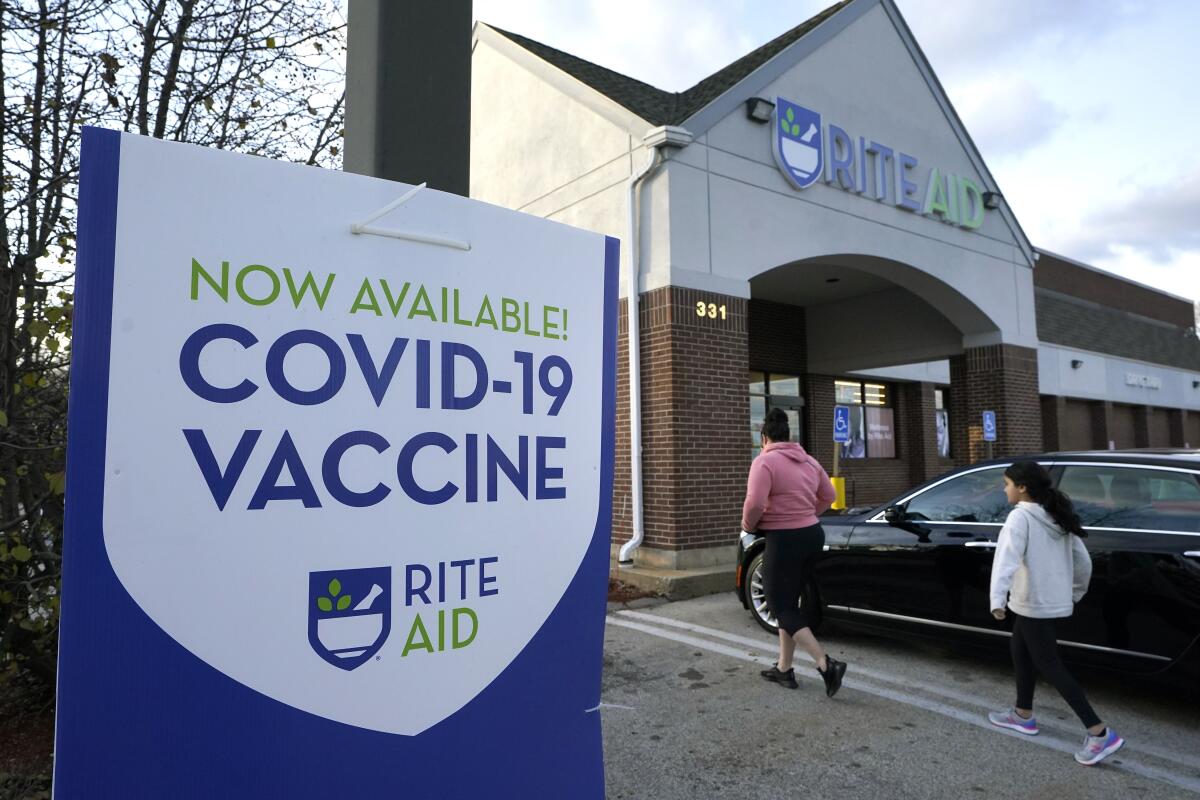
[772, 390]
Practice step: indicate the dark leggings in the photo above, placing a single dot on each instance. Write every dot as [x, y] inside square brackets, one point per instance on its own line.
[1034, 651]
[788, 566]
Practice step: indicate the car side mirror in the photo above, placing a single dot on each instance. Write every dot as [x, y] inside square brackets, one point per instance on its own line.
[895, 514]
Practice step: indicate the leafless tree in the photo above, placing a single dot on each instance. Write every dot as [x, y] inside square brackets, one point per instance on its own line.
[264, 77]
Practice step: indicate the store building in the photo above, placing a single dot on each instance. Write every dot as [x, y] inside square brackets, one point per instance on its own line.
[817, 228]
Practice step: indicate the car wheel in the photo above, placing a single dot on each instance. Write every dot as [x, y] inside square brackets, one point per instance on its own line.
[756, 596]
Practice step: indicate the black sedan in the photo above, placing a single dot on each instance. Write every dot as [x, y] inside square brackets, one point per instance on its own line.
[922, 562]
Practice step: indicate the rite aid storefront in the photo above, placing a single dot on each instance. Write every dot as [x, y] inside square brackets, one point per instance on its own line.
[815, 228]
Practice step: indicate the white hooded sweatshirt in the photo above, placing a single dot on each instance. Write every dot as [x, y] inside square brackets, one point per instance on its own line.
[1043, 570]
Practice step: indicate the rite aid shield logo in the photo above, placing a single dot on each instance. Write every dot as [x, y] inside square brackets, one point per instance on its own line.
[798, 143]
[349, 614]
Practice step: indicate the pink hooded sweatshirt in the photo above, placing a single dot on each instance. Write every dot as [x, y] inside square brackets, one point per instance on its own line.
[787, 488]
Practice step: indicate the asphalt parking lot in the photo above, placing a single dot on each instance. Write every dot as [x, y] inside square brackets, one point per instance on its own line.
[686, 715]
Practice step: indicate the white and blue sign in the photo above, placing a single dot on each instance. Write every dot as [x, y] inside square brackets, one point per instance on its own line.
[841, 424]
[338, 510]
[797, 143]
[989, 426]
[807, 150]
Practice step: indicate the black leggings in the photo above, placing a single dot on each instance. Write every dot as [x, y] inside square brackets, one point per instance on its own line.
[787, 569]
[1034, 650]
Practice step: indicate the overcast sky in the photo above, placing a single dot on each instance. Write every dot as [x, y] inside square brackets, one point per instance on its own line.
[1086, 111]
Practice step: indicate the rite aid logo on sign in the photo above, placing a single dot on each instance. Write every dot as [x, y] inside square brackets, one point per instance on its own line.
[798, 143]
[349, 614]
[806, 151]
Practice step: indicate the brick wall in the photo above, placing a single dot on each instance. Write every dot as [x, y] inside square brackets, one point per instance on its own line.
[777, 338]
[1054, 423]
[695, 421]
[1002, 378]
[1108, 290]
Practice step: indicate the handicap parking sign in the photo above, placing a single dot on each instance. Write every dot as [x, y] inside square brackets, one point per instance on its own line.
[989, 426]
[841, 423]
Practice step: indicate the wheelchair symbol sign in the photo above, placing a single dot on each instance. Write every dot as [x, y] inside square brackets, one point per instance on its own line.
[841, 424]
[989, 426]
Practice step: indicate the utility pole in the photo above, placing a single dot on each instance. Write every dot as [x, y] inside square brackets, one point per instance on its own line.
[408, 91]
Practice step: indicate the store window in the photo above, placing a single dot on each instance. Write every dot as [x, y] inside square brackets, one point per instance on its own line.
[872, 419]
[771, 390]
[941, 418]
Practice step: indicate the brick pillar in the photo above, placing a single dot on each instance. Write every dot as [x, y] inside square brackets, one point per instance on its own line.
[1102, 424]
[1002, 378]
[1054, 410]
[920, 432]
[819, 402]
[1177, 426]
[1141, 426]
[695, 425]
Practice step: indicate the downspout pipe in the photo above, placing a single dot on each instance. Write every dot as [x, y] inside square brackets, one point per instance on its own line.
[658, 140]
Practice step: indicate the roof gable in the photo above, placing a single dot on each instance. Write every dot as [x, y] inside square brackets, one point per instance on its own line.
[714, 98]
[657, 106]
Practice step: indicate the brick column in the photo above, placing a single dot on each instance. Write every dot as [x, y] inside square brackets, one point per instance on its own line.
[1141, 426]
[920, 431]
[1054, 410]
[695, 425]
[1002, 378]
[1102, 423]
[1177, 426]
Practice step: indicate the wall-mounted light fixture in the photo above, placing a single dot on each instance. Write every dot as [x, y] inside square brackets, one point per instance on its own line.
[992, 200]
[1076, 363]
[759, 109]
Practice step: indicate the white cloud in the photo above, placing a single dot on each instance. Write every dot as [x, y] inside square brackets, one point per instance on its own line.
[1008, 115]
[1157, 226]
[1178, 273]
[980, 37]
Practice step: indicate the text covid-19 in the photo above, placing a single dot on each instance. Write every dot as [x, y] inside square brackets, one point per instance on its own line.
[530, 464]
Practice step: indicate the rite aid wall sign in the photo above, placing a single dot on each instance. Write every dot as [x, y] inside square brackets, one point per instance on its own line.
[807, 151]
[338, 509]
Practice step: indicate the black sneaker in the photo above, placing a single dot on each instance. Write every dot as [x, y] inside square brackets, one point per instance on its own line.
[834, 670]
[787, 679]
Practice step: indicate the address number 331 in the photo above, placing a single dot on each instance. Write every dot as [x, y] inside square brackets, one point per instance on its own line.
[710, 310]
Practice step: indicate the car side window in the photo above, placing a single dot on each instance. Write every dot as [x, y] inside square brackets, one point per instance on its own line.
[973, 497]
[1140, 498]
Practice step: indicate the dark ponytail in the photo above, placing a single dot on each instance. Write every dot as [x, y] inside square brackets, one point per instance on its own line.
[775, 426]
[1036, 480]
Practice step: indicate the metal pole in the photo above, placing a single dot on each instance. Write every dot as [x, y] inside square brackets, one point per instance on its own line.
[408, 92]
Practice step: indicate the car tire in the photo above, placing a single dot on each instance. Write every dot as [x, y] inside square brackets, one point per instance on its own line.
[756, 599]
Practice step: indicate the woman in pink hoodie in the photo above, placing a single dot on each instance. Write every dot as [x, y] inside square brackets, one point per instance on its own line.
[786, 493]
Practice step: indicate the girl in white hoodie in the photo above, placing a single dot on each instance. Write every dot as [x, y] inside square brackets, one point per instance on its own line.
[1042, 570]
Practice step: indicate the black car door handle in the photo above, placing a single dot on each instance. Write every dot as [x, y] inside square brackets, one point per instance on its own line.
[988, 545]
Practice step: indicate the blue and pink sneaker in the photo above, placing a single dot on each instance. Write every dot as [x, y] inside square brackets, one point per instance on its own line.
[1097, 748]
[1013, 721]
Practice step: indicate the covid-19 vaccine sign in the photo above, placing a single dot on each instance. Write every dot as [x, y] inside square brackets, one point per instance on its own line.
[338, 503]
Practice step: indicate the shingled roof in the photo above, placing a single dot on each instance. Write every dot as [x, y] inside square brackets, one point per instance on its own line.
[657, 106]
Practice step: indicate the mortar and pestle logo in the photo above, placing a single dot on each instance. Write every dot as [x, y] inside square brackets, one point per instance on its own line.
[798, 143]
[345, 633]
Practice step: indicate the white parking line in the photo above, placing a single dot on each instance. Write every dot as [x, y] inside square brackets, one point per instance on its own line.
[970, 718]
[1180, 759]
